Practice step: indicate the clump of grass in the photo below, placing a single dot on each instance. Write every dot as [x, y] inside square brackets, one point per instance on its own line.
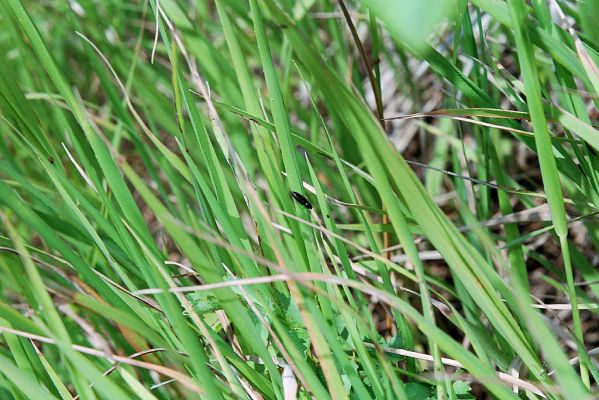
[280, 200]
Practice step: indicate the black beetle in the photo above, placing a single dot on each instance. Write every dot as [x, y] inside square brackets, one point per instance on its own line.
[300, 198]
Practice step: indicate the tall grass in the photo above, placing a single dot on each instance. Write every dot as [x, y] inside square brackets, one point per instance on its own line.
[444, 156]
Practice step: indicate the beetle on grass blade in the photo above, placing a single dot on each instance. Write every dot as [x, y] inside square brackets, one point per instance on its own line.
[300, 198]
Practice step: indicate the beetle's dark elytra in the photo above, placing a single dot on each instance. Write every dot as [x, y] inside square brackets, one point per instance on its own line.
[300, 198]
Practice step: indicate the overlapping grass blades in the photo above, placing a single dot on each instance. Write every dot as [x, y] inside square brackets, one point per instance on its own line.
[128, 178]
